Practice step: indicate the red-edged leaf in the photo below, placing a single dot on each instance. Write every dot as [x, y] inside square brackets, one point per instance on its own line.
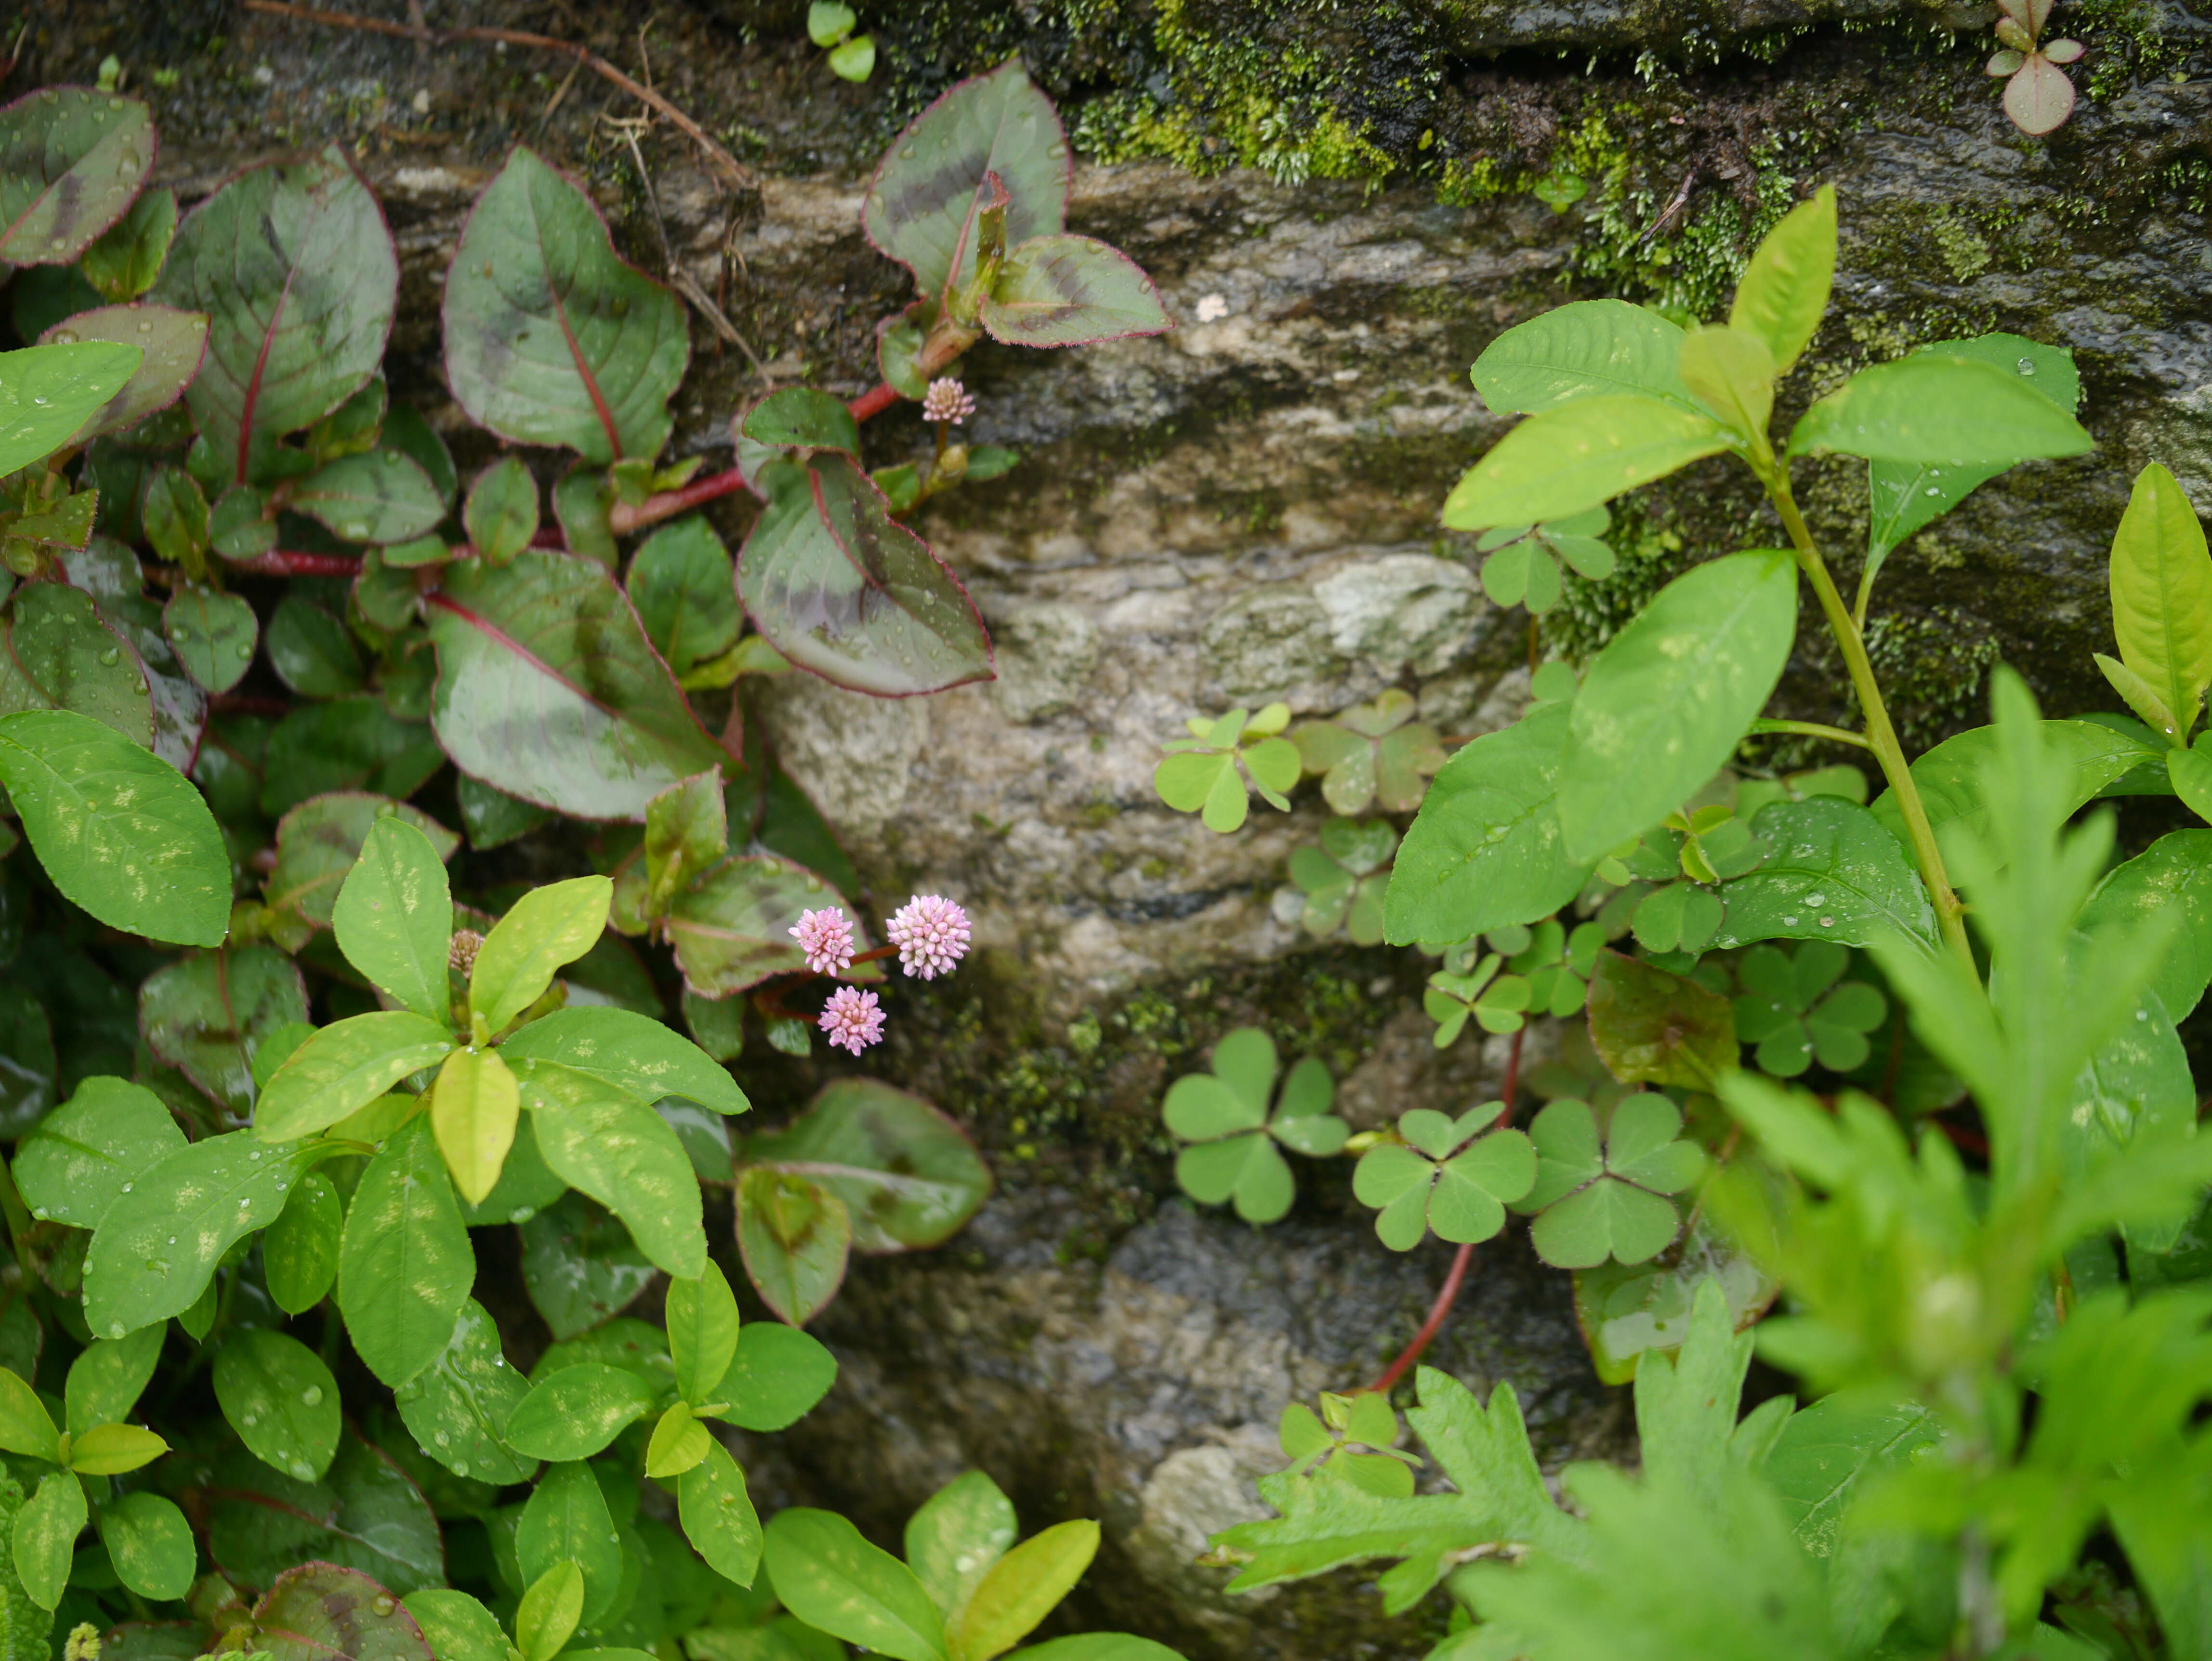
[930, 187]
[732, 928]
[552, 338]
[71, 159]
[840, 587]
[2039, 98]
[549, 690]
[174, 341]
[320, 1612]
[1071, 291]
[296, 271]
[794, 1237]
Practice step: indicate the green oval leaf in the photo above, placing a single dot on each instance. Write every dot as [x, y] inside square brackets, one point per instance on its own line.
[625, 1156]
[1579, 456]
[831, 1579]
[457, 1408]
[344, 1068]
[907, 1174]
[381, 496]
[1064, 290]
[779, 1374]
[2161, 586]
[45, 1534]
[105, 1381]
[394, 917]
[404, 1263]
[552, 338]
[212, 634]
[793, 1237]
[683, 583]
[293, 264]
[840, 587]
[549, 691]
[207, 1015]
[577, 1411]
[150, 1544]
[702, 1334]
[1589, 348]
[71, 159]
[123, 262]
[1668, 699]
[120, 832]
[1834, 872]
[89, 1153]
[299, 1252]
[47, 393]
[1934, 406]
[281, 1400]
[319, 841]
[566, 1520]
[544, 929]
[1784, 290]
[927, 192]
[158, 1246]
[321, 1610]
[955, 1537]
[1022, 1588]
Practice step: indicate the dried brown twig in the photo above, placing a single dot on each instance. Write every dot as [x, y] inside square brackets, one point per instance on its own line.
[731, 168]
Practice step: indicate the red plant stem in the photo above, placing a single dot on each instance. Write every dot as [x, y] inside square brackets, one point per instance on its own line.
[283, 562]
[871, 404]
[1449, 1295]
[626, 516]
[250, 703]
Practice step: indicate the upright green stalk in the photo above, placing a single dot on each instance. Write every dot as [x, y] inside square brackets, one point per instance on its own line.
[1881, 737]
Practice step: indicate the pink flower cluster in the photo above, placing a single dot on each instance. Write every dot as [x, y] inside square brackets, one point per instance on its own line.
[947, 401]
[851, 1019]
[826, 939]
[931, 934]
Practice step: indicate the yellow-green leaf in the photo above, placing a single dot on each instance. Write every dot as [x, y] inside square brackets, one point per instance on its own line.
[26, 1426]
[547, 1616]
[1574, 458]
[45, 1538]
[1022, 1588]
[545, 928]
[110, 1450]
[2161, 583]
[679, 1442]
[702, 1332]
[1731, 371]
[473, 1107]
[1785, 288]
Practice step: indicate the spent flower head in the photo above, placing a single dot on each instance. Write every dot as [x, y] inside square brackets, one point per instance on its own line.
[947, 401]
[931, 933]
[852, 1019]
[826, 938]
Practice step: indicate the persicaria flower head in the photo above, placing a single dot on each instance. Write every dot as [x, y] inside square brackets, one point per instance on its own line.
[947, 401]
[826, 939]
[931, 933]
[851, 1019]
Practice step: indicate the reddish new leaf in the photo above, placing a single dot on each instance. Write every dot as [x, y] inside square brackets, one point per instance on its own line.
[930, 187]
[552, 338]
[70, 162]
[296, 271]
[840, 587]
[1071, 291]
[549, 690]
[320, 1612]
[732, 928]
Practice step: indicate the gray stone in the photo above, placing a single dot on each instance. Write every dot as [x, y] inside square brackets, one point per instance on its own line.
[1403, 613]
[1274, 642]
[1046, 652]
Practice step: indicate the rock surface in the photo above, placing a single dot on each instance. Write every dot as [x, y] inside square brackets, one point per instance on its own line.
[1246, 509]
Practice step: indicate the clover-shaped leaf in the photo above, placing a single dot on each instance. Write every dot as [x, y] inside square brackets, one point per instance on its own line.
[1366, 1419]
[1523, 566]
[1556, 965]
[1199, 773]
[1498, 1003]
[1602, 1197]
[1794, 1011]
[1680, 916]
[1223, 1115]
[1372, 753]
[1343, 881]
[1454, 1176]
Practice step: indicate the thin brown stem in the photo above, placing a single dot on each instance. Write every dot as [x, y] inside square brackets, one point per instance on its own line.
[1881, 736]
[1448, 1295]
[728, 164]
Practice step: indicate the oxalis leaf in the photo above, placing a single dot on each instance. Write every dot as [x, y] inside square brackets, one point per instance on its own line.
[293, 264]
[120, 832]
[838, 586]
[552, 338]
[549, 690]
[924, 201]
[70, 162]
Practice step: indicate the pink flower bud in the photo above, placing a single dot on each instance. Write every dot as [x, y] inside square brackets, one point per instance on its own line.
[852, 1019]
[931, 933]
[947, 401]
[826, 939]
